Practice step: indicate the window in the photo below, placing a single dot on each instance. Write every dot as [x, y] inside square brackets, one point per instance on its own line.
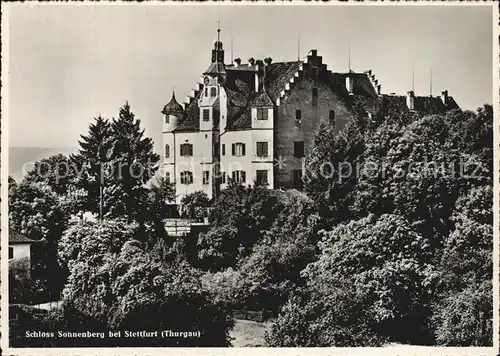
[213, 92]
[167, 177]
[297, 178]
[239, 176]
[298, 149]
[167, 119]
[206, 177]
[223, 149]
[262, 149]
[186, 149]
[206, 114]
[186, 177]
[262, 177]
[223, 177]
[315, 96]
[238, 149]
[11, 253]
[167, 151]
[332, 117]
[262, 114]
[298, 118]
[206, 91]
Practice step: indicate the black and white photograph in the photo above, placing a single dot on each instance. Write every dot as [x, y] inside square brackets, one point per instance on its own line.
[249, 175]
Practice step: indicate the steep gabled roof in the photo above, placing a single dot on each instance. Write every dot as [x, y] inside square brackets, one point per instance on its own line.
[16, 238]
[241, 121]
[394, 103]
[261, 99]
[361, 83]
[278, 75]
[433, 104]
[191, 118]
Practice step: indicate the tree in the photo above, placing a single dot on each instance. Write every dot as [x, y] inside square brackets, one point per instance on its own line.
[194, 205]
[56, 171]
[134, 163]
[272, 271]
[36, 212]
[240, 217]
[332, 166]
[93, 161]
[12, 183]
[388, 265]
[313, 318]
[120, 284]
[218, 248]
[464, 309]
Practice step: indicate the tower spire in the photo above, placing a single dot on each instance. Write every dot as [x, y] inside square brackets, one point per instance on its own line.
[413, 79]
[430, 82]
[218, 30]
[349, 57]
[298, 46]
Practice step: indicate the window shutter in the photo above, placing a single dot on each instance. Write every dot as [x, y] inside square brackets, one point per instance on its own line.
[243, 176]
[233, 149]
[242, 149]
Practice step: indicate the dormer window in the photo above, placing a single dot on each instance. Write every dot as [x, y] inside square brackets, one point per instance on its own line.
[262, 114]
[167, 119]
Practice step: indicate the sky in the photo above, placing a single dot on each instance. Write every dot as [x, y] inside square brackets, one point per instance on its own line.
[70, 63]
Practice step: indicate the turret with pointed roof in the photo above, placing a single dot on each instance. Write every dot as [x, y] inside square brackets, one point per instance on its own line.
[173, 107]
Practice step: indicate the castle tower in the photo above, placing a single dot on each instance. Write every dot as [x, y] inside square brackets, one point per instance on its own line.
[213, 111]
[172, 113]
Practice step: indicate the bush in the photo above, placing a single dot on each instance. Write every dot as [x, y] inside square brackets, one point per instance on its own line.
[115, 281]
[23, 289]
[194, 205]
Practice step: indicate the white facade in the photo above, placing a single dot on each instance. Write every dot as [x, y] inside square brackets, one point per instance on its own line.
[201, 160]
[19, 251]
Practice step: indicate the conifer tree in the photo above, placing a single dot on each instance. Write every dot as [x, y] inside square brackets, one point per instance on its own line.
[92, 160]
[133, 164]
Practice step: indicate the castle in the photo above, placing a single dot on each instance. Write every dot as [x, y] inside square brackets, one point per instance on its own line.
[255, 122]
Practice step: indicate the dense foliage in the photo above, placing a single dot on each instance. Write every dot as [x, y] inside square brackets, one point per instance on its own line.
[391, 241]
[37, 212]
[115, 281]
[407, 210]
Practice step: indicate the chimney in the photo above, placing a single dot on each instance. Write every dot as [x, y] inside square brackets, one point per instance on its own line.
[237, 62]
[410, 100]
[259, 74]
[349, 84]
[251, 60]
[444, 96]
[268, 61]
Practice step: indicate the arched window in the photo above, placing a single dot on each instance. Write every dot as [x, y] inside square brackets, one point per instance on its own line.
[167, 151]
